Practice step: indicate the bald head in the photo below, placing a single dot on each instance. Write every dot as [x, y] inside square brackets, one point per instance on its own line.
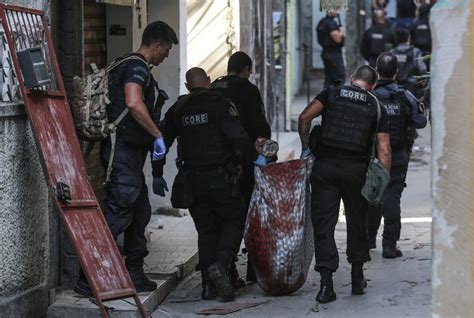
[379, 16]
[196, 77]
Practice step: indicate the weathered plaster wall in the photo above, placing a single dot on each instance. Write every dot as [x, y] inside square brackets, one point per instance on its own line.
[25, 218]
[452, 124]
[24, 238]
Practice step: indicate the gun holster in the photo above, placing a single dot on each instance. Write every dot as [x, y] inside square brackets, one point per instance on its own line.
[234, 173]
[182, 196]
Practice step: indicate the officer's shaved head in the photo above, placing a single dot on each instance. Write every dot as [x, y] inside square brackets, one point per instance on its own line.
[379, 15]
[387, 65]
[365, 74]
[197, 77]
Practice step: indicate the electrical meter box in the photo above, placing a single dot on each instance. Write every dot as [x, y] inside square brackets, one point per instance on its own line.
[33, 67]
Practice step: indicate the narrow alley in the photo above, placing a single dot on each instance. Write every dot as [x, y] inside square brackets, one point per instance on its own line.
[141, 141]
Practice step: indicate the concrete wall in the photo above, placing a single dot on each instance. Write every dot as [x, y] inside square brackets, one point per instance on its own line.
[168, 74]
[24, 238]
[26, 259]
[452, 185]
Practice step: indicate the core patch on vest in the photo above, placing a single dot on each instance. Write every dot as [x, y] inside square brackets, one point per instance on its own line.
[377, 36]
[393, 109]
[352, 95]
[197, 119]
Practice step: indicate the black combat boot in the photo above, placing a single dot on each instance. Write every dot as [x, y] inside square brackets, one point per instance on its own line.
[326, 292]
[139, 279]
[220, 278]
[358, 280]
[82, 285]
[209, 291]
[251, 275]
[372, 242]
[235, 279]
[390, 249]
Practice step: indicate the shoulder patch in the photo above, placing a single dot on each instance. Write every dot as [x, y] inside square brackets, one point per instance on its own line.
[233, 110]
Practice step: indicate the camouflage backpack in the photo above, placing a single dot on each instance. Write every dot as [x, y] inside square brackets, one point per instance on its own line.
[89, 102]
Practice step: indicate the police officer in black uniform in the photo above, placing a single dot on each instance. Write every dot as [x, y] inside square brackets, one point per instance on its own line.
[248, 100]
[127, 208]
[342, 153]
[404, 114]
[377, 39]
[420, 31]
[410, 63]
[206, 125]
[331, 38]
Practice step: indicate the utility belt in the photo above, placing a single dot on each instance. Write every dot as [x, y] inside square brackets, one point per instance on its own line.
[182, 195]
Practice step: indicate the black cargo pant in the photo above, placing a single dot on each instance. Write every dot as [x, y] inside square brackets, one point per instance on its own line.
[334, 69]
[389, 208]
[331, 181]
[247, 184]
[217, 215]
[127, 207]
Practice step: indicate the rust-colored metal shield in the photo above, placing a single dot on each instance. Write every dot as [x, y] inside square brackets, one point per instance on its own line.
[278, 232]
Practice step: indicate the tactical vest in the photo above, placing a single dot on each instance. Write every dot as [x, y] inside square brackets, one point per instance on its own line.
[379, 35]
[232, 86]
[129, 129]
[422, 35]
[406, 63]
[348, 121]
[398, 112]
[198, 121]
[377, 43]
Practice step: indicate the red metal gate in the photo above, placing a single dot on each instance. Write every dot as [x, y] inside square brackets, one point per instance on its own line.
[63, 164]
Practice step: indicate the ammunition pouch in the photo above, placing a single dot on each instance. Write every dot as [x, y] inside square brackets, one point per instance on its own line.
[234, 173]
[314, 139]
[182, 196]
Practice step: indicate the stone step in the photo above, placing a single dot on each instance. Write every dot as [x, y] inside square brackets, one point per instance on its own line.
[173, 257]
[71, 305]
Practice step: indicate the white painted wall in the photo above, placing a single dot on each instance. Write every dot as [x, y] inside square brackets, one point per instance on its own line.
[170, 76]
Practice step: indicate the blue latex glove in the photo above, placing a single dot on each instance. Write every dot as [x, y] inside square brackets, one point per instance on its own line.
[306, 153]
[159, 149]
[160, 186]
[261, 161]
